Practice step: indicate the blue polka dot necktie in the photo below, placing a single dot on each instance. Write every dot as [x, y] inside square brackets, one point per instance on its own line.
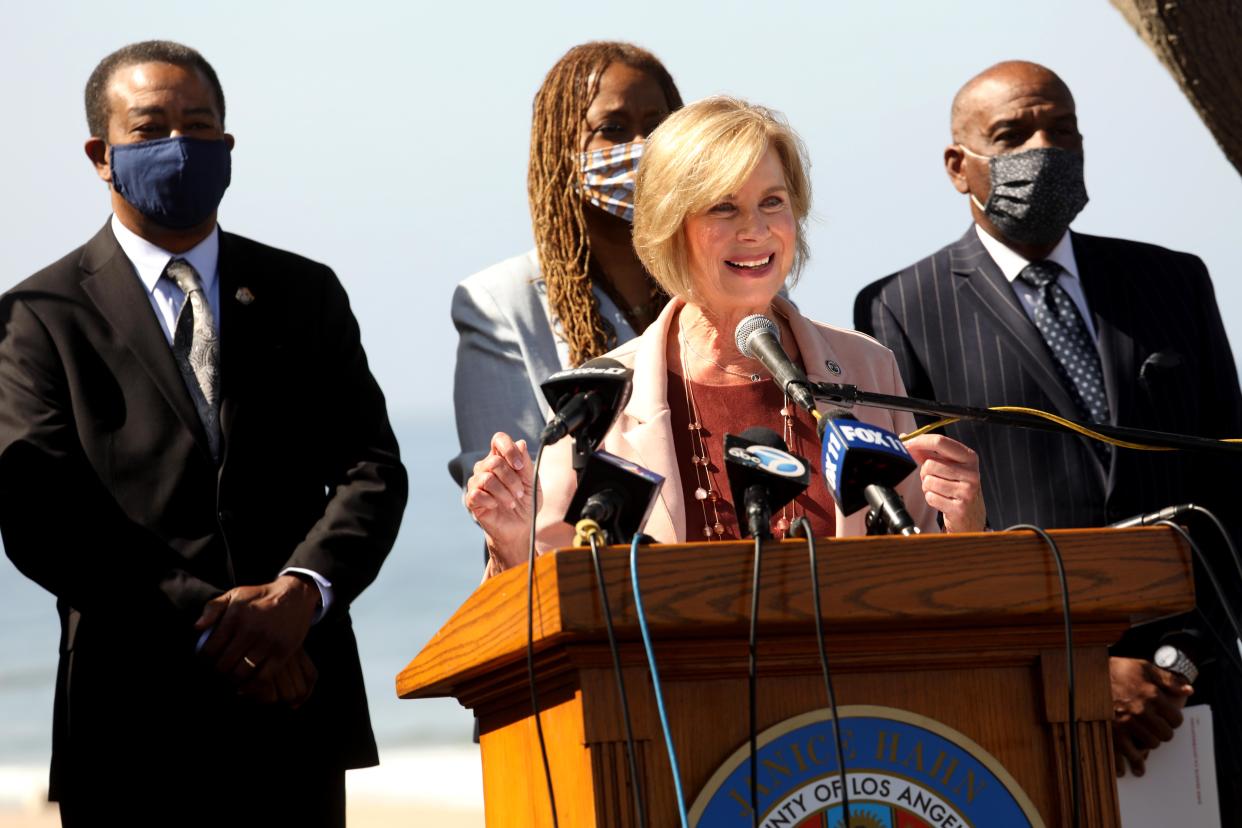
[1063, 328]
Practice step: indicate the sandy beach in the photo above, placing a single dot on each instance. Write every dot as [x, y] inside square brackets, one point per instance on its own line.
[433, 786]
[361, 815]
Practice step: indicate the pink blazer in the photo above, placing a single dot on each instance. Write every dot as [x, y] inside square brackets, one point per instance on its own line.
[644, 433]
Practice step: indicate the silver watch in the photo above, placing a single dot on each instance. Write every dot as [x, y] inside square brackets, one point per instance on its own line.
[1174, 660]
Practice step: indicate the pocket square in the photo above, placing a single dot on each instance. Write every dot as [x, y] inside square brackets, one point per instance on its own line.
[1159, 362]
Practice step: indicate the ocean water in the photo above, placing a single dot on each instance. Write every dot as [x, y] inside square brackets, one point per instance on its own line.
[435, 565]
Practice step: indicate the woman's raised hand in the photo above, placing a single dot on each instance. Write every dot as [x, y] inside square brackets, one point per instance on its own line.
[500, 495]
[949, 472]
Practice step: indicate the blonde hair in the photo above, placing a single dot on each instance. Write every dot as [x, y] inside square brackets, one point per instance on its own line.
[699, 155]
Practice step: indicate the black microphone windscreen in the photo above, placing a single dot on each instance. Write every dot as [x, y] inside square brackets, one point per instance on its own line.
[829, 413]
[761, 436]
[629, 488]
[757, 459]
[586, 400]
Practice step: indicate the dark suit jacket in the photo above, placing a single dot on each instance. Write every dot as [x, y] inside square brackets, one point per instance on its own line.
[109, 498]
[961, 336]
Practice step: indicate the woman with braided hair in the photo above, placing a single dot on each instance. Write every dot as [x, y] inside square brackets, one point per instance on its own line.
[582, 291]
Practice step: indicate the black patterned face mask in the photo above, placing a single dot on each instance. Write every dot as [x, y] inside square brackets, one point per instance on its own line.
[1035, 193]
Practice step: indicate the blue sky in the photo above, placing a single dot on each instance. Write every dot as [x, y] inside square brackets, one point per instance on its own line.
[389, 139]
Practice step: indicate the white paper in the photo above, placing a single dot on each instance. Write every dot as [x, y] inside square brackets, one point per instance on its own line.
[1179, 787]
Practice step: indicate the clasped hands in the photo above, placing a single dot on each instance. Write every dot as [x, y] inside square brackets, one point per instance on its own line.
[500, 494]
[1147, 700]
[256, 639]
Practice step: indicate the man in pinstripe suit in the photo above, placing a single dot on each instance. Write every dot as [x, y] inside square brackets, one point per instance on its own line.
[964, 324]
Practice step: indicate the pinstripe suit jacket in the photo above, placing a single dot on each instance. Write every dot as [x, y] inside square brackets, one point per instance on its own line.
[961, 336]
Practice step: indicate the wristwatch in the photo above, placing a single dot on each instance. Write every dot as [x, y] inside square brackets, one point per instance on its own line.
[1174, 660]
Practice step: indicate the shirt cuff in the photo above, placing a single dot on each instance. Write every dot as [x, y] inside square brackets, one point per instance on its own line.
[325, 589]
[325, 600]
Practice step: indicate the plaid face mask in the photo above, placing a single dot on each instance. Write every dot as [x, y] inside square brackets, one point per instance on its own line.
[609, 175]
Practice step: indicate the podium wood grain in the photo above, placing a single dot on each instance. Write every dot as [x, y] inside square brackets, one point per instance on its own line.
[964, 629]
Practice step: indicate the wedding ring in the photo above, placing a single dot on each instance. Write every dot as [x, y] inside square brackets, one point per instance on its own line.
[249, 663]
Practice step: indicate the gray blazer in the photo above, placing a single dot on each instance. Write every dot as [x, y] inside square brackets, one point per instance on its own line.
[506, 347]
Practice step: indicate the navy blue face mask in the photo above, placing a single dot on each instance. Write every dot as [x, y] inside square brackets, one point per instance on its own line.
[176, 182]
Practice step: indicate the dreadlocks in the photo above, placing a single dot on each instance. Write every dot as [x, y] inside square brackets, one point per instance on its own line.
[552, 185]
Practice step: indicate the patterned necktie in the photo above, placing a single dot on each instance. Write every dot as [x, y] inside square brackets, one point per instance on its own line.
[196, 347]
[1063, 328]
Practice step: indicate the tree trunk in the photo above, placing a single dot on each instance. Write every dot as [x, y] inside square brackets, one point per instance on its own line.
[1200, 43]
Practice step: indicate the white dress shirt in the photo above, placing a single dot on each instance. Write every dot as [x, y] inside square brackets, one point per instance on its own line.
[1011, 264]
[149, 262]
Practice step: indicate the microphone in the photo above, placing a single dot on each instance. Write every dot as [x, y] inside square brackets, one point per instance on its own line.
[763, 476]
[862, 463]
[1167, 513]
[585, 402]
[757, 337]
[614, 496]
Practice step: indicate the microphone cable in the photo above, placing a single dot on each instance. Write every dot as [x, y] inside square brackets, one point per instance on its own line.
[530, 635]
[1069, 425]
[1075, 786]
[1230, 651]
[1234, 651]
[823, 658]
[592, 537]
[1164, 517]
[752, 683]
[655, 682]
[1224, 533]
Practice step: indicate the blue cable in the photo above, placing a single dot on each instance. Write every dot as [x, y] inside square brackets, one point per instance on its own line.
[655, 683]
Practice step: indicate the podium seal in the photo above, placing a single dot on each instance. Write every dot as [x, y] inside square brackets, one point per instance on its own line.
[903, 771]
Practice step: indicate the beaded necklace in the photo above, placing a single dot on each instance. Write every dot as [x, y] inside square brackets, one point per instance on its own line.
[706, 492]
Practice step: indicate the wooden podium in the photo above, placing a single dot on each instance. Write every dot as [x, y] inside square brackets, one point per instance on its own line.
[964, 629]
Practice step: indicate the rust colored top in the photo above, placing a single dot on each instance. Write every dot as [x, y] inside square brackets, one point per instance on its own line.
[733, 409]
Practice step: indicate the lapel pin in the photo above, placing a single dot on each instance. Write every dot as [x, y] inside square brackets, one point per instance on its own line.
[244, 295]
[833, 367]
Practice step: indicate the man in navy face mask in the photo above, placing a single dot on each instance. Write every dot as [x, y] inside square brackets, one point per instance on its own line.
[197, 462]
[160, 143]
[1023, 311]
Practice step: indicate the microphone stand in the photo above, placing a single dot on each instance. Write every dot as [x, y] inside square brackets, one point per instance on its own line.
[849, 395]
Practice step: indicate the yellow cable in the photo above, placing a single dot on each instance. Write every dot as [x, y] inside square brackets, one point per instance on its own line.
[583, 530]
[1061, 421]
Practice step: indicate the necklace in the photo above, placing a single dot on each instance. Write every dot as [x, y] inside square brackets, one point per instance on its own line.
[685, 340]
[782, 525]
[706, 492]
